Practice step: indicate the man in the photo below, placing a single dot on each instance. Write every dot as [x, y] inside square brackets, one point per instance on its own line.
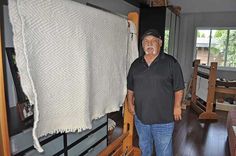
[155, 90]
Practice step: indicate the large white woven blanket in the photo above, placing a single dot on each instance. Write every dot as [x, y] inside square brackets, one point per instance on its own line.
[73, 62]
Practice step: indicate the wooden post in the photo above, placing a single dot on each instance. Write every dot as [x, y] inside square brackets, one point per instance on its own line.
[209, 114]
[4, 136]
[134, 17]
[128, 117]
[194, 82]
[211, 87]
[128, 127]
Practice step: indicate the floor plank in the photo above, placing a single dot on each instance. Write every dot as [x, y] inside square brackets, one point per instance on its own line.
[191, 137]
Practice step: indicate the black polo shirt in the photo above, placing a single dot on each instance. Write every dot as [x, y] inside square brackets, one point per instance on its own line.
[154, 87]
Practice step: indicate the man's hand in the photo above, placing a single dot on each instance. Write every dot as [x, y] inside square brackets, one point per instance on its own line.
[177, 105]
[131, 109]
[130, 97]
[177, 113]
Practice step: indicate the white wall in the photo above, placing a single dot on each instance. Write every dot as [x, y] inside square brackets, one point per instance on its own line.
[188, 24]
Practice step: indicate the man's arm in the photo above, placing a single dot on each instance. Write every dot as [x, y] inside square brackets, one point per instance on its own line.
[130, 98]
[177, 105]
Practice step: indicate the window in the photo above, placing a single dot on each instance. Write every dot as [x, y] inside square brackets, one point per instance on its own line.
[166, 42]
[216, 45]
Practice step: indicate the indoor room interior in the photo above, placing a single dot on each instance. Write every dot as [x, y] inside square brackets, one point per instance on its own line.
[64, 66]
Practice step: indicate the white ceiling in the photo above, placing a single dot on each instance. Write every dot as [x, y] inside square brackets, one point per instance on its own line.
[194, 6]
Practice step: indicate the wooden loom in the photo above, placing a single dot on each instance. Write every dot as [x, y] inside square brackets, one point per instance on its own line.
[203, 90]
[124, 144]
[228, 88]
[4, 134]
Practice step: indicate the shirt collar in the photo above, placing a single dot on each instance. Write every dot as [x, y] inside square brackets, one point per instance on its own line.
[157, 58]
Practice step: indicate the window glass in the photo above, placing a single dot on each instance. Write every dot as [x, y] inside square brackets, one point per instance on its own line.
[231, 54]
[218, 46]
[202, 45]
[166, 42]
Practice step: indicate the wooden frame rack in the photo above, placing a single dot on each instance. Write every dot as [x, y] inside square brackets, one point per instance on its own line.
[4, 134]
[204, 105]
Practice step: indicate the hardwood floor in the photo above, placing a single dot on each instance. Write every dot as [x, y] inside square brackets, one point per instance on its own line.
[191, 137]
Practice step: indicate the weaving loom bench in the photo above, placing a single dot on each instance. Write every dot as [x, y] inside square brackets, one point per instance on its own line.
[203, 90]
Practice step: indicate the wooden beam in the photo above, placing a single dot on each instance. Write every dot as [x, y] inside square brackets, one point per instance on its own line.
[194, 82]
[225, 84]
[118, 152]
[128, 127]
[226, 90]
[208, 116]
[128, 117]
[4, 136]
[113, 146]
[134, 17]
[211, 87]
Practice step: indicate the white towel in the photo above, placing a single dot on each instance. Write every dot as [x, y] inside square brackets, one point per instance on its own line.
[133, 46]
[72, 61]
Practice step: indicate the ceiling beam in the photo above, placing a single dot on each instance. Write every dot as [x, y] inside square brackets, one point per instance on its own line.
[133, 2]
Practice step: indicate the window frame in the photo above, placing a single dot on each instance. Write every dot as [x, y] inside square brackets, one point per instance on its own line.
[214, 28]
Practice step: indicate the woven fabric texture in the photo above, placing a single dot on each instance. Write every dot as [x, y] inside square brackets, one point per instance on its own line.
[73, 62]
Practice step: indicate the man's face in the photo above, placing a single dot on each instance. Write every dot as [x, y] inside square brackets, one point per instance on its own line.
[151, 44]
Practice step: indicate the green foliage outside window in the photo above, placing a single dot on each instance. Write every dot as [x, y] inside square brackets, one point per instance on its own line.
[222, 46]
[166, 42]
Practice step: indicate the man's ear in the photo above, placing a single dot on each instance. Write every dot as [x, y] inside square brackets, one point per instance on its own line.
[160, 42]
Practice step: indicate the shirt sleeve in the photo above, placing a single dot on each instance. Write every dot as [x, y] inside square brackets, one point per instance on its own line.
[130, 79]
[178, 80]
